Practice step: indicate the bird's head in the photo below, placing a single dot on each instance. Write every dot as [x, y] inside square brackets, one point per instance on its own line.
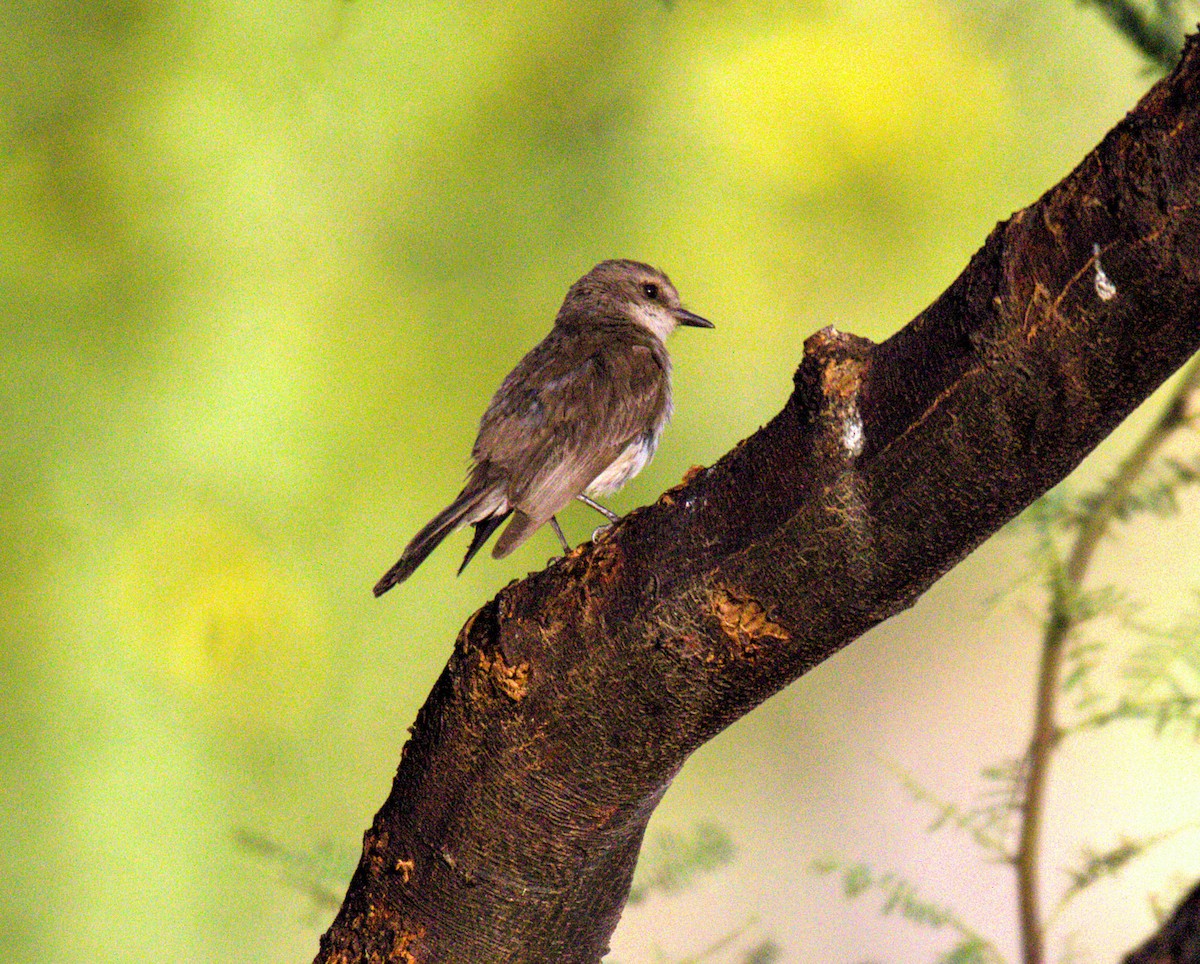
[633, 292]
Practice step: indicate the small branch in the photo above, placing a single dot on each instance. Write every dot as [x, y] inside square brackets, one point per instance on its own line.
[1095, 525]
[1066, 588]
[719, 944]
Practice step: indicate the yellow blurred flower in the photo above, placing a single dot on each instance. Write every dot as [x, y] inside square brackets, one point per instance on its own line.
[199, 598]
[823, 100]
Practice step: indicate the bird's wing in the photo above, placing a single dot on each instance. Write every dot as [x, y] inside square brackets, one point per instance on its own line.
[567, 410]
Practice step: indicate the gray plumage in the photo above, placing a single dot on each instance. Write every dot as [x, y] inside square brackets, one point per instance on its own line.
[581, 413]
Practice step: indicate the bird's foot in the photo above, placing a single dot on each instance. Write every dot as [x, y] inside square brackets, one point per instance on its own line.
[601, 532]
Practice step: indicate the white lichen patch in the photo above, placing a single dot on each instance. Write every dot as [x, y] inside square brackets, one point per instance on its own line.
[1105, 289]
[853, 435]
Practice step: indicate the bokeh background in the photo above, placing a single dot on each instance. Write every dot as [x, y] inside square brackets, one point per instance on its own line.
[261, 267]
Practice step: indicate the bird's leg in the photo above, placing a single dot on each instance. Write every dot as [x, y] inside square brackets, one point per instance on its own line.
[607, 513]
[561, 538]
[611, 516]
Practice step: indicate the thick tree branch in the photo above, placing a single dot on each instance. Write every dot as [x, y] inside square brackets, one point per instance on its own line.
[573, 698]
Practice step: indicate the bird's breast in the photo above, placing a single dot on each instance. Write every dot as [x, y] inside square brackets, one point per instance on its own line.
[630, 462]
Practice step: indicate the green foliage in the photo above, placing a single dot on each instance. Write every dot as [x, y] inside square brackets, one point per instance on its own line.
[1156, 30]
[320, 874]
[1160, 680]
[989, 823]
[900, 896]
[972, 950]
[1094, 865]
[768, 952]
[1158, 684]
[897, 894]
[1168, 666]
[671, 862]
[1157, 492]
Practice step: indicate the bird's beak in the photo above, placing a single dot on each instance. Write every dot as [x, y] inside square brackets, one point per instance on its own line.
[685, 317]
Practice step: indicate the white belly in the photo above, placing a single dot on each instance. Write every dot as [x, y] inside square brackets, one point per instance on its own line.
[626, 465]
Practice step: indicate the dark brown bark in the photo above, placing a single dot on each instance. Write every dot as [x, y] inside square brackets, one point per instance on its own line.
[573, 698]
[1178, 940]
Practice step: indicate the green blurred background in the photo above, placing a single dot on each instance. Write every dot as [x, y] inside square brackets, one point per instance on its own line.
[261, 267]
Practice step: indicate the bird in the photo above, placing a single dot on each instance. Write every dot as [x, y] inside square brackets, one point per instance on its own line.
[579, 416]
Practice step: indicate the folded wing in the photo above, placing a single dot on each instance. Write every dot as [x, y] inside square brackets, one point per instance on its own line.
[566, 413]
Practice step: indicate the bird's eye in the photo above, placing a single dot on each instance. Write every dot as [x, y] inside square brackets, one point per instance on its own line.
[650, 290]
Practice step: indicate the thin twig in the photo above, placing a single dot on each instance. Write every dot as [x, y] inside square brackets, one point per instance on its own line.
[720, 944]
[1066, 586]
[1157, 35]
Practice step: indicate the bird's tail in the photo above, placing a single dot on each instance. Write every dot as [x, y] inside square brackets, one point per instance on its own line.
[483, 531]
[520, 529]
[466, 508]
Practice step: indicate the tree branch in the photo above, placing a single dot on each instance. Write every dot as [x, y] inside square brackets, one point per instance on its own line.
[1178, 940]
[573, 698]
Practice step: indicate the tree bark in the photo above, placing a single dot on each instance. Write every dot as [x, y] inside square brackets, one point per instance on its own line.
[572, 699]
[1178, 940]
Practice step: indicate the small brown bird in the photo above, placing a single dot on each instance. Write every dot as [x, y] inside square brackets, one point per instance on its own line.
[580, 415]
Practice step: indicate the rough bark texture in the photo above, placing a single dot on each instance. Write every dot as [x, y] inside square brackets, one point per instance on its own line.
[573, 698]
[1178, 940]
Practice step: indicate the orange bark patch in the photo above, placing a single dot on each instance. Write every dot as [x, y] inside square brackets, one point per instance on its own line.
[512, 681]
[400, 949]
[375, 850]
[742, 618]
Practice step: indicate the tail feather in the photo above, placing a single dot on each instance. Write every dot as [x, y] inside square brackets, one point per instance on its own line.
[431, 536]
[520, 529]
[483, 530]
